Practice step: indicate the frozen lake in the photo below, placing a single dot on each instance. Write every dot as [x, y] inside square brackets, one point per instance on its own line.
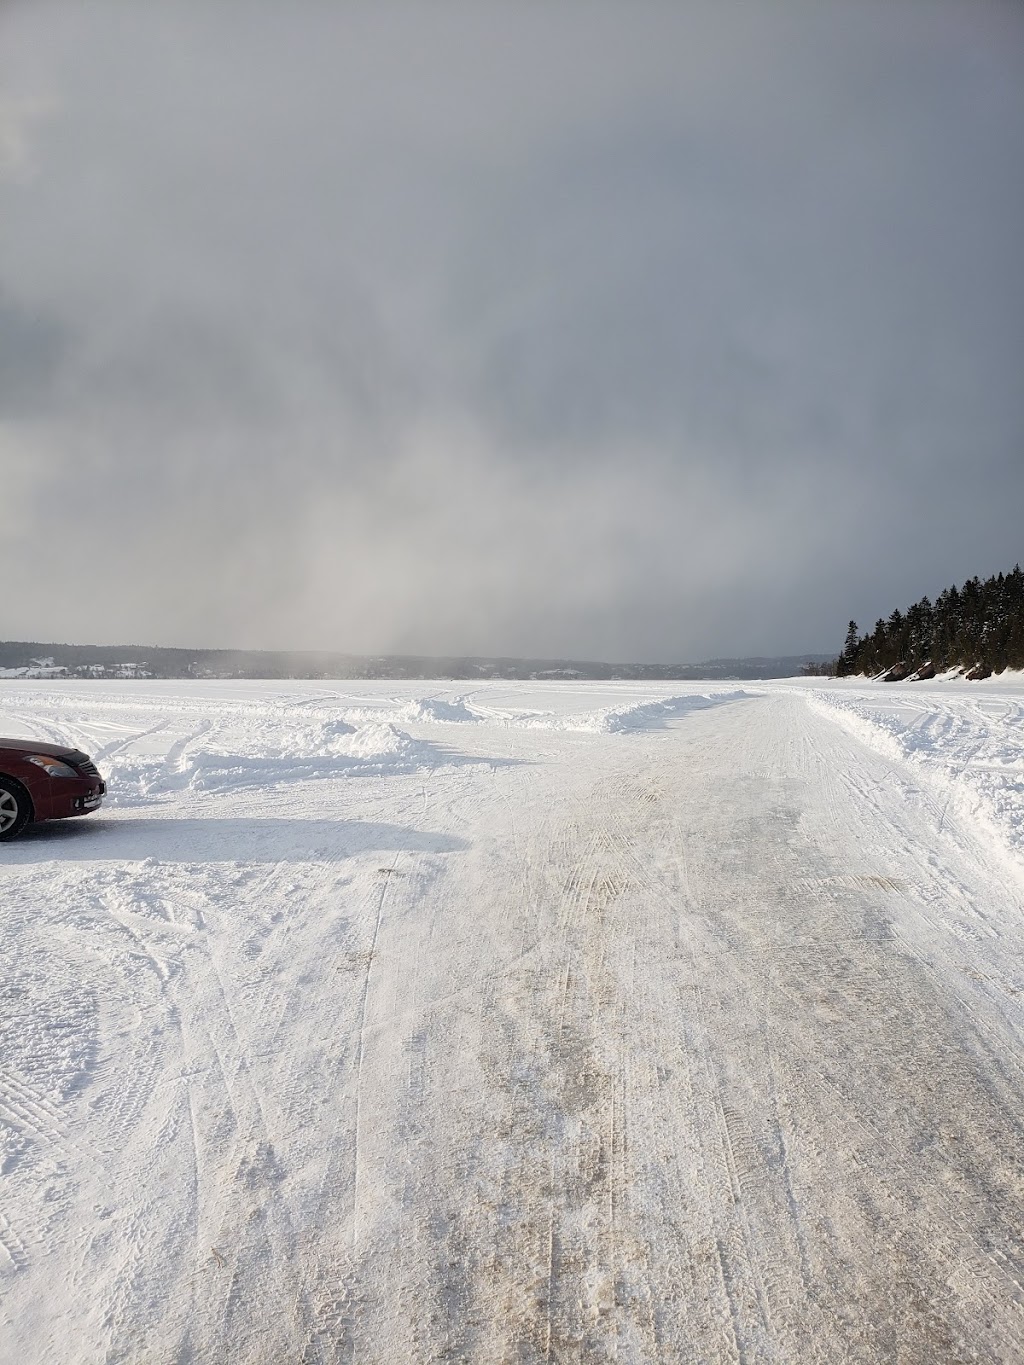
[517, 1022]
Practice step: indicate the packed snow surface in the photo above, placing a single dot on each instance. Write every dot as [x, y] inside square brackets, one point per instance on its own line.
[519, 1022]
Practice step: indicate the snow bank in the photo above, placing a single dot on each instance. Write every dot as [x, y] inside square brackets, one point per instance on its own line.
[645, 714]
[637, 715]
[272, 756]
[435, 709]
[969, 752]
[650, 715]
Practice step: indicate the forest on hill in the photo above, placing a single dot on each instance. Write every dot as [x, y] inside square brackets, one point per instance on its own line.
[979, 627]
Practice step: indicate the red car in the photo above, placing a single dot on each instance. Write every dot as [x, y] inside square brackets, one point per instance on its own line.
[44, 782]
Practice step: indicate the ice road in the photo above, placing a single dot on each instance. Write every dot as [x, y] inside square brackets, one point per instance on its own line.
[392, 1022]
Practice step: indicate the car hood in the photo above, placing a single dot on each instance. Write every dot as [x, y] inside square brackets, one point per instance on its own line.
[32, 746]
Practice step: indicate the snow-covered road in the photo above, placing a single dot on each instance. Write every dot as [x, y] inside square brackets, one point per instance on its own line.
[521, 1022]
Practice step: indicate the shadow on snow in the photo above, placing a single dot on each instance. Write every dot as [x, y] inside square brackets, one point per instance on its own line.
[94, 839]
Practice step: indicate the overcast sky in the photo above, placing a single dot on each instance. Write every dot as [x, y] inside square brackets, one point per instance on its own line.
[622, 331]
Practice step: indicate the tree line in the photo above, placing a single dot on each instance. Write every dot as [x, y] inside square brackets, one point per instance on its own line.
[978, 627]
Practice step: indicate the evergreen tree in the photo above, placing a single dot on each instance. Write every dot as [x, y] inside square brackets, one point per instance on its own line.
[844, 664]
[979, 627]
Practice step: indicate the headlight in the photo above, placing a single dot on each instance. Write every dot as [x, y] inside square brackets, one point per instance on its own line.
[52, 765]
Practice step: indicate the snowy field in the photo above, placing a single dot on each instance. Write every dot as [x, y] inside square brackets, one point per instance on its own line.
[519, 1022]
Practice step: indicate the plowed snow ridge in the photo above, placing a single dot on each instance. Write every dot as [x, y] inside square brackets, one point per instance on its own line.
[968, 749]
[517, 1022]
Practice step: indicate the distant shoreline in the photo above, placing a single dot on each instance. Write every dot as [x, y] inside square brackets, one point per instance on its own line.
[34, 659]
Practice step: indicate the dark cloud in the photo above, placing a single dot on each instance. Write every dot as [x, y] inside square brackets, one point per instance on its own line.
[661, 332]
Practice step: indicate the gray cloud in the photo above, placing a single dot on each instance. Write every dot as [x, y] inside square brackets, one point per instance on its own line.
[654, 332]
[33, 352]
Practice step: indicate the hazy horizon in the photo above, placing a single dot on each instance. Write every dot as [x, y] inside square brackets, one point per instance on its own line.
[503, 656]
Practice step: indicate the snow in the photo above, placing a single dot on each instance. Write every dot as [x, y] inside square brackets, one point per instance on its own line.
[544, 1021]
[968, 750]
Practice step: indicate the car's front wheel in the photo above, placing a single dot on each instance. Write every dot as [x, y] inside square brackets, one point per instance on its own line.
[15, 808]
